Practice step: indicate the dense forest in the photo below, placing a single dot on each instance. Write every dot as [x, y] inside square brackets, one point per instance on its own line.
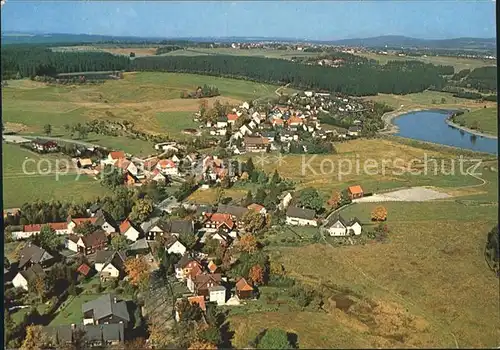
[29, 61]
[395, 77]
[359, 78]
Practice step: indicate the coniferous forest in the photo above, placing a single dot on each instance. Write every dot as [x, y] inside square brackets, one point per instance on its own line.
[359, 79]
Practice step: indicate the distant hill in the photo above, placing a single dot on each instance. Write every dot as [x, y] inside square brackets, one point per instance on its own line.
[391, 41]
[394, 41]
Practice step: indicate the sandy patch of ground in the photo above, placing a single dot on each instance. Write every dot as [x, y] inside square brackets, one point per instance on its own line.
[415, 194]
[14, 127]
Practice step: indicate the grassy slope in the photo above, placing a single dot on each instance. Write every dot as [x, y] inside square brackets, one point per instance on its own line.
[20, 188]
[456, 62]
[429, 282]
[486, 119]
[367, 151]
[138, 98]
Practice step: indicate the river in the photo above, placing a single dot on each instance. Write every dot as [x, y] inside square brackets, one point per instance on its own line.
[431, 126]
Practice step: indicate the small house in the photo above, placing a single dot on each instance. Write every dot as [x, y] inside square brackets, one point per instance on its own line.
[255, 144]
[355, 192]
[217, 294]
[201, 283]
[128, 229]
[337, 226]
[27, 277]
[244, 290]
[88, 244]
[44, 145]
[105, 310]
[300, 216]
[32, 254]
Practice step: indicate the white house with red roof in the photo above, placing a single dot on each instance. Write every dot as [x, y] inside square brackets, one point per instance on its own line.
[61, 228]
[129, 230]
[167, 167]
[232, 118]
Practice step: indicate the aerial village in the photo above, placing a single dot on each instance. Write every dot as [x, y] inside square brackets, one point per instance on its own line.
[195, 245]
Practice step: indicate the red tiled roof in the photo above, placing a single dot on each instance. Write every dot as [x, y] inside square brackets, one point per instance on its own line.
[79, 221]
[220, 218]
[256, 207]
[200, 300]
[38, 227]
[294, 120]
[232, 116]
[122, 163]
[355, 189]
[243, 285]
[117, 155]
[150, 163]
[212, 267]
[278, 121]
[84, 269]
[125, 225]
[166, 163]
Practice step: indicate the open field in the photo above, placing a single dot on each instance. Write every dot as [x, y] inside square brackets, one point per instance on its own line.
[306, 170]
[486, 120]
[428, 286]
[147, 99]
[114, 49]
[457, 62]
[429, 99]
[209, 196]
[283, 54]
[20, 187]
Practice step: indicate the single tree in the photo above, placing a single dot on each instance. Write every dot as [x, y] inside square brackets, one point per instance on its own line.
[85, 228]
[138, 271]
[248, 243]
[248, 199]
[48, 239]
[119, 242]
[311, 199]
[35, 338]
[202, 345]
[274, 338]
[256, 274]
[253, 221]
[379, 214]
[141, 210]
[334, 200]
[47, 129]
[260, 196]
[188, 240]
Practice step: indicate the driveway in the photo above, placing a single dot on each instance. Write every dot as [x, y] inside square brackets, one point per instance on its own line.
[414, 194]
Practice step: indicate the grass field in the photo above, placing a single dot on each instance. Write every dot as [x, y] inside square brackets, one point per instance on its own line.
[457, 62]
[429, 99]
[20, 187]
[283, 54]
[306, 170]
[428, 286]
[147, 99]
[486, 120]
[209, 196]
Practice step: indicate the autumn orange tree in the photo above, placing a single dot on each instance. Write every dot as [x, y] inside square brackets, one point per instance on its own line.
[379, 214]
[248, 243]
[334, 200]
[202, 345]
[256, 274]
[138, 271]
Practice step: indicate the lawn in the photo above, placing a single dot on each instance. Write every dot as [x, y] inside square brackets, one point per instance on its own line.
[429, 100]
[429, 282]
[72, 312]
[458, 63]
[317, 171]
[209, 196]
[20, 187]
[149, 100]
[283, 54]
[485, 120]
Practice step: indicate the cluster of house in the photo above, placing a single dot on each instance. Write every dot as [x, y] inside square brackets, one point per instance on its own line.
[261, 131]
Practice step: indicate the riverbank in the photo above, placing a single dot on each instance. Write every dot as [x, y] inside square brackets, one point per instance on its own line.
[391, 128]
[470, 131]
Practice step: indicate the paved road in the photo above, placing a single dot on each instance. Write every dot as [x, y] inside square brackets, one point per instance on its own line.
[24, 138]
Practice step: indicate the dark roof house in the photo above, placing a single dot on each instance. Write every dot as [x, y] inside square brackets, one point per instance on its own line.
[33, 254]
[302, 213]
[106, 308]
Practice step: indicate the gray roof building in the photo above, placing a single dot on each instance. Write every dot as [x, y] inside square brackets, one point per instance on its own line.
[302, 213]
[104, 307]
[33, 254]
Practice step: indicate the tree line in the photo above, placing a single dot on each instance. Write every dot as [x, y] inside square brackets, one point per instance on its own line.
[30, 61]
[358, 80]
